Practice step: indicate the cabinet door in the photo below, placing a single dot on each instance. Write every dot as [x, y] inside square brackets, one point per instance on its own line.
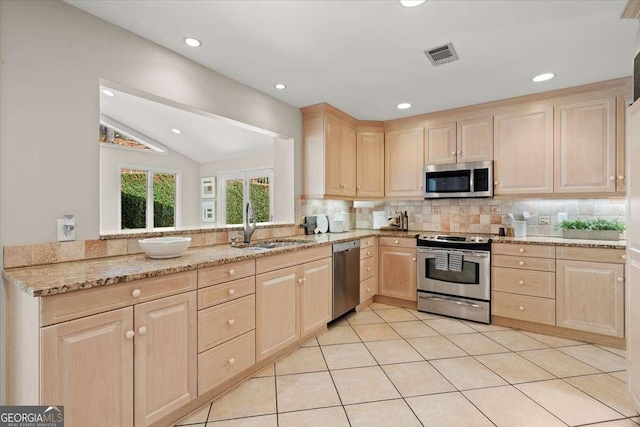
[523, 152]
[87, 366]
[403, 152]
[370, 165]
[621, 143]
[475, 140]
[315, 294]
[440, 144]
[277, 311]
[590, 297]
[348, 162]
[585, 147]
[332, 138]
[166, 351]
[397, 275]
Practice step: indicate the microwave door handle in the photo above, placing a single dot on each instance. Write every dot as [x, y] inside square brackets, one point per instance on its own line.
[471, 183]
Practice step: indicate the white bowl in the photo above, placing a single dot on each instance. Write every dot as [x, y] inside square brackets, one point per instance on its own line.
[165, 247]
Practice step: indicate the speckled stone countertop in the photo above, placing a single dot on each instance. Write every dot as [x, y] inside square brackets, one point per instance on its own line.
[559, 241]
[54, 279]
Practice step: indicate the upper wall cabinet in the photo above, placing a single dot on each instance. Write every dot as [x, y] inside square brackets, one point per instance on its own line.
[585, 147]
[455, 142]
[403, 155]
[523, 152]
[370, 165]
[329, 156]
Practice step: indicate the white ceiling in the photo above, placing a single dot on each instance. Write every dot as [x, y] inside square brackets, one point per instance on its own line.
[365, 57]
[203, 139]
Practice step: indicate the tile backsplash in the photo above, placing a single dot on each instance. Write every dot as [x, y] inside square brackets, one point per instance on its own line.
[306, 207]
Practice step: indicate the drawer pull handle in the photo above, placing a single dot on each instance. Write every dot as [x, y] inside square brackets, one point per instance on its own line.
[368, 252]
[397, 242]
[521, 263]
[142, 330]
[521, 308]
[232, 272]
[232, 291]
[130, 334]
[521, 282]
[521, 250]
[232, 361]
[448, 301]
[136, 293]
[368, 242]
[368, 268]
[231, 322]
[620, 279]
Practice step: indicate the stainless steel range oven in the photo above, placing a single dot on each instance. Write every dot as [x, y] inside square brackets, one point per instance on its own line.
[454, 276]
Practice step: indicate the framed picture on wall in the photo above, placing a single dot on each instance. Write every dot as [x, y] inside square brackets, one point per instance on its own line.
[208, 187]
[208, 211]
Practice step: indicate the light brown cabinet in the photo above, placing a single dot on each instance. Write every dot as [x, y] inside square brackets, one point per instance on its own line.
[523, 152]
[290, 303]
[440, 143]
[370, 165]
[368, 268]
[585, 147]
[474, 139]
[403, 162]
[590, 297]
[397, 272]
[165, 362]
[87, 365]
[348, 161]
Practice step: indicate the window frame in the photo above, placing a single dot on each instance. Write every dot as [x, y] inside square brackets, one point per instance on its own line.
[246, 175]
[149, 211]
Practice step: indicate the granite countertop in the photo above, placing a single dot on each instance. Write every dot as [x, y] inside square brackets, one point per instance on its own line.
[54, 279]
[559, 241]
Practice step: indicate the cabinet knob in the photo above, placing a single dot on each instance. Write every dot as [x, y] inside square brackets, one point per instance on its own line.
[521, 282]
[521, 250]
[368, 242]
[368, 268]
[453, 153]
[620, 177]
[620, 279]
[624, 257]
[612, 177]
[459, 152]
[299, 280]
[368, 252]
[495, 182]
[130, 334]
[413, 259]
[232, 361]
[397, 241]
[136, 293]
[142, 330]
[368, 289]
[232, 291]
[521, 308]
[304, 280]
[231, 322]
[521, 263]
[232, 272]
[358, 187]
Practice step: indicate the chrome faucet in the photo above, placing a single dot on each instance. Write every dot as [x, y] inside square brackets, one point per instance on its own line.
[249, 214]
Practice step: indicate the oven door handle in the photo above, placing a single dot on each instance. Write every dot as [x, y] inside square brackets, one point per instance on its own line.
[466, 304]
[463, 251]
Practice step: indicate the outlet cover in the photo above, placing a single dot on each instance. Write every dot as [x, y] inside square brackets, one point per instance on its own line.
[562, 216]
[66, 230]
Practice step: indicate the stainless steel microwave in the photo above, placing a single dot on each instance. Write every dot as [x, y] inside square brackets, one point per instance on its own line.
[472, 179]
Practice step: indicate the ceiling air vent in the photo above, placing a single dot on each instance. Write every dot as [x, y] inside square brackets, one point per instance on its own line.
[441, 54]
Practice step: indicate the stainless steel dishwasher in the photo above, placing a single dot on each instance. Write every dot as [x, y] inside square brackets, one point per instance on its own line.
[346, 277]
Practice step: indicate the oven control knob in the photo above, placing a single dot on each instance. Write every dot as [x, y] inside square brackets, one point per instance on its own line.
[521, 308]
[521, 282]
[521, 250]
[521, 263]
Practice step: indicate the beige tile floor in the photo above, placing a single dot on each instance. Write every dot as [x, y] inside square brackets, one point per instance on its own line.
[389, 366]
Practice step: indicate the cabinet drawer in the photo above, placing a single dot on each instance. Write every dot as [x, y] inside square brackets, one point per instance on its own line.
[524, 282]
[224, 292]
[222, 362]
[276, 262]
[368, 251]
[398, 241]
[591, 254]
[524, 263]
[366, 268]
[537, 251]
[532, 309]
[223, 273]
[223, 322]
[368, 289]
[367, 242]
[73, 305]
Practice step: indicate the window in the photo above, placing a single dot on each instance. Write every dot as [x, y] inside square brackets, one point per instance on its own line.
[149, 199]
[239, 187]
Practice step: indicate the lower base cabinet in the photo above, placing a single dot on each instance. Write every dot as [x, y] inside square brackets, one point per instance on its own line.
[397, 274]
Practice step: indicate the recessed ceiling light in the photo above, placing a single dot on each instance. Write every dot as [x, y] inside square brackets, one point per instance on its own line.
[176, 131]
[108, 92]
[192, 41]
[411, 3]
[403, 106]
[543, 77]
[280, 86]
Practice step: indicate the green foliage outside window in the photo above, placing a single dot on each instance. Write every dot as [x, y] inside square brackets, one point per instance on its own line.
[134, 200]
[260, 198]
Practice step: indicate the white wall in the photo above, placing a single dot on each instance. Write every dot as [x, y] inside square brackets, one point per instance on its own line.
[53, 56]
[112, 158]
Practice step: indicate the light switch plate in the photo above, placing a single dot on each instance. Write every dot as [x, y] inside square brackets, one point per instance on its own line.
[70, 230]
